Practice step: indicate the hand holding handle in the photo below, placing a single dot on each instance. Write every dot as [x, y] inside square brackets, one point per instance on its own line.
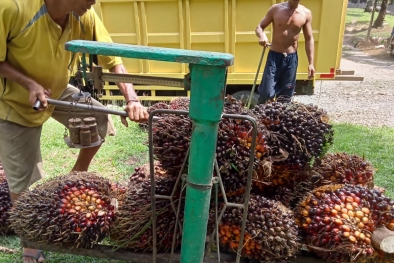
[37, 105]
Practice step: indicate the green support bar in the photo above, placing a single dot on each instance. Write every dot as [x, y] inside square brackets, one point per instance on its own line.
[208, 80]
[206, 107]
[150, 53]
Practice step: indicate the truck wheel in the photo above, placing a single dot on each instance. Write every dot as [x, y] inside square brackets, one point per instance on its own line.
[243, 95]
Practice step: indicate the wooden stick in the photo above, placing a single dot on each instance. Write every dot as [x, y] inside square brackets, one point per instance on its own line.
[383, 239]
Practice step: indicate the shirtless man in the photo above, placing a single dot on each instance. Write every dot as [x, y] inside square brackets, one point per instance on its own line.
[279, 78]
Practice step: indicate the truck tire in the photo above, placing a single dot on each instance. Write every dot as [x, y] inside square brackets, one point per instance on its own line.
[243, 95]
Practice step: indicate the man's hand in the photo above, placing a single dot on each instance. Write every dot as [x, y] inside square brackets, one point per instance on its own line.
[37, 92]
[136, 113]
[263, 41]
[311, 72]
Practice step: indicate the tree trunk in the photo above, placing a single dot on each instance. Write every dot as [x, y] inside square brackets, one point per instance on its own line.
[382, 13]
[358, 3]
[371, 20]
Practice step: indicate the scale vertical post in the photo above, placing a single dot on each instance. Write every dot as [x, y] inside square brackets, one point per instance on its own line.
[206, 107]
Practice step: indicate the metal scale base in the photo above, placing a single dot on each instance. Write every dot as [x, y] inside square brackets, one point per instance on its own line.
[78, 146]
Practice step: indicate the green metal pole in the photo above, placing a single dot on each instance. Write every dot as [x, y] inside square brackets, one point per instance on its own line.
[206, 107]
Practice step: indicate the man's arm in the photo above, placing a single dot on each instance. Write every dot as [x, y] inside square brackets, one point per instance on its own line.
[133, 105]
[309, 43]
[126, 88]
[9, 13]
[264, 23]
[134, 108]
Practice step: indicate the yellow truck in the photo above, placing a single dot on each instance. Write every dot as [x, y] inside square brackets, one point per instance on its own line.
[221, 26]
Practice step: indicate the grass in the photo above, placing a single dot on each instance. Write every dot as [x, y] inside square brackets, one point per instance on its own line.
[13, 243]
[120, 154]
[375, 144]
[357, 22]
[358, 16]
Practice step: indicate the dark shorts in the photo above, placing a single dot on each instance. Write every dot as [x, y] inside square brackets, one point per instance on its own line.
[279, 77]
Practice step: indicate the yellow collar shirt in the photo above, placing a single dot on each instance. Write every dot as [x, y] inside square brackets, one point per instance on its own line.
[34, 45]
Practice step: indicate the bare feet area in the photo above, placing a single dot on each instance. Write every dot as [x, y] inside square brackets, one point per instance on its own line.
[367, 103]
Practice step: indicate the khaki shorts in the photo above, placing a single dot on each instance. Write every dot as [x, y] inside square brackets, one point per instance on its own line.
[20, 152]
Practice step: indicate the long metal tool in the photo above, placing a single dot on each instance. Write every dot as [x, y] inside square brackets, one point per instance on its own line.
[257, 75]
[37, 105]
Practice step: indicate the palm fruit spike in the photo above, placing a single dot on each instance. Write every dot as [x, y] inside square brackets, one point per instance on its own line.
[337, 221]
[74, 210]
[271, 233]
[133, 225]
[299, 133]
[343, 168]
[5, 204]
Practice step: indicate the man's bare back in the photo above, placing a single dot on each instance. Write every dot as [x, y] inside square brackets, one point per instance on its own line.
[287, 25]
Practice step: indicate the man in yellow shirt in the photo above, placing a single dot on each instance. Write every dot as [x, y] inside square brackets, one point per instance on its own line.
[33, 66]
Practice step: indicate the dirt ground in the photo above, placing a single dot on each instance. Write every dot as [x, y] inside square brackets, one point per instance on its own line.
[368, 102]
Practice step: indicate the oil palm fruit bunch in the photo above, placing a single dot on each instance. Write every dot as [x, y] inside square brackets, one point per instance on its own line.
[273, 175]
[343, 168]
[157, 106]
[337, 220]
[270, 234]
[285, 183]
[171, 139]
[118, 188]
[234, 145]
[180, 103]
[288, 196]
[73, 210]
[133, 225]
[233, 106]
[5, 204]
[233, 153]
[299, 133]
